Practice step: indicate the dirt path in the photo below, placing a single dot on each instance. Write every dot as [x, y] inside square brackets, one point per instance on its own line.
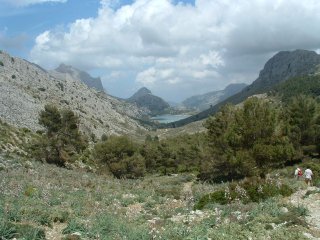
[186, 194]
[312, 203]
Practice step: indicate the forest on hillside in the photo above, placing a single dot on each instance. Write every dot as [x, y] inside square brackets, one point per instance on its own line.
[241, 141]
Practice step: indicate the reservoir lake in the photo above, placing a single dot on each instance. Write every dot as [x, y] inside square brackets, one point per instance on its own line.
[167, 118]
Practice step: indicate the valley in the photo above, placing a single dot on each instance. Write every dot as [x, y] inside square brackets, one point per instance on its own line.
[77, 163]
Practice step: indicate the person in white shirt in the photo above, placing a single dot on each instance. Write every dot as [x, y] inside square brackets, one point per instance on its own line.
[308, 176]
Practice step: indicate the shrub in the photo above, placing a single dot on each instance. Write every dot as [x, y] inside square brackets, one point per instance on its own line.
[121, 156]
[1, 63]
[104, 137]
[215, 197]
[251, 190]
[13, 76]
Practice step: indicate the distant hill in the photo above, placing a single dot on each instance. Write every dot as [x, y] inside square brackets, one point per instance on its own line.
[82, 76]
[145, 99]
[282, 66]
[204, 101]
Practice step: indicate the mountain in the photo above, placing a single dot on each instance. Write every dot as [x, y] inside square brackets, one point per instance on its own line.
[279, 68]
[26, 88]
[204, 101]
[82, 76]
[144, 98]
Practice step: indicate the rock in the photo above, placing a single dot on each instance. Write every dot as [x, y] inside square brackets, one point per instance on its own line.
[309, 236]
[198, 212]
[28, 165]
[284, 210]
[73, 236]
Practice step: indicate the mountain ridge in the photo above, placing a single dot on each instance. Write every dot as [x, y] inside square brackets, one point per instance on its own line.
[204, 101]
[26, 89]
[82, 76]
[280, 67]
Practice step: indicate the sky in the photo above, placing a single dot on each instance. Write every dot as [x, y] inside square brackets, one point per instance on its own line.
[176, 48]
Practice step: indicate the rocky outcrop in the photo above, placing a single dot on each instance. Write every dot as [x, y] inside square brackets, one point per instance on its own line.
[205, 101]
[285, 65]
[82, 76]
[144, 98]
[25, 89]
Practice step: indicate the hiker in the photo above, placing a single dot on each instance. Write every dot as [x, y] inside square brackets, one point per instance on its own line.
[308, 176]
[298, 173]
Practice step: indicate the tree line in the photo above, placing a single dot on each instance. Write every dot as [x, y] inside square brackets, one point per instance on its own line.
[241, 141]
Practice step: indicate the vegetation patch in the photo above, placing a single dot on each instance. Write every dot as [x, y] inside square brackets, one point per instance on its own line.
[251, 190]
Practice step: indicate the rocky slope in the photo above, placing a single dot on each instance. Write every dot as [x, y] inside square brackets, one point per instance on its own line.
[144, 98]
[25, 89]
[205, 101]
[279, 68]
[82, 76]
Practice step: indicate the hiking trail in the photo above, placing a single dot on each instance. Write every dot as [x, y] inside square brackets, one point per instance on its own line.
[311, 201]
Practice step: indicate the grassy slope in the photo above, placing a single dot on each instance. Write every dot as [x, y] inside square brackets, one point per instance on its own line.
[43, 198]
[13, 140]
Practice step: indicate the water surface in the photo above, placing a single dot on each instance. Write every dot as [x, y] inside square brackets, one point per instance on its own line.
[168, 118]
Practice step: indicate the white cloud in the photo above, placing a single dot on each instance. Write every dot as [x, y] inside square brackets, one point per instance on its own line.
[22, 3]
[169, 46]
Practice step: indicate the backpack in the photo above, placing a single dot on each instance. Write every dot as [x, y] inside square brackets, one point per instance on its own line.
[300, 172]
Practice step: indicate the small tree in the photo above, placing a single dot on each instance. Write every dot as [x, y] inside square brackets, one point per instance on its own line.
[63, 138]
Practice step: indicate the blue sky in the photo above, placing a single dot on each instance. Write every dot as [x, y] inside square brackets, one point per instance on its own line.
[175, 48]
[29, 21]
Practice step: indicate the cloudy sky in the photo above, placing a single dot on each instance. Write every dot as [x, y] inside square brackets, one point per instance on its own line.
[176, 48]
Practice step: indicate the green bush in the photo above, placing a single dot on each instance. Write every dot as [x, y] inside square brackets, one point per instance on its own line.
[251, 190]
[1, 63]
[215, 197]
[7, 231]
[121, 156]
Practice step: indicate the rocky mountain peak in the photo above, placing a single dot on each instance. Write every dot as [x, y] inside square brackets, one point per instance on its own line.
[140, 93]
[287, 64]
[145, 99]
[81, 76]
